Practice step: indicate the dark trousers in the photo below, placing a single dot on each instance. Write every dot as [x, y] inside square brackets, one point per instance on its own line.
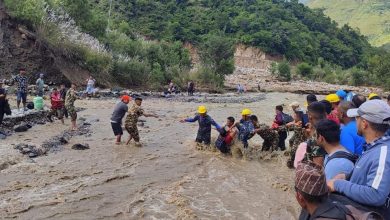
[282, 140]
[204, 137]
[65, 112]
[1, 116]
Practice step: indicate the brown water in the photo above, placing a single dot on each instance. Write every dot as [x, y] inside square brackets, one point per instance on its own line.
[164, 179]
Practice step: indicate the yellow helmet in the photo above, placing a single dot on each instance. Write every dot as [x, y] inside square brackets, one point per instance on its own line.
[372, 95]
[246, 112]
[332, 98]
[202, 109]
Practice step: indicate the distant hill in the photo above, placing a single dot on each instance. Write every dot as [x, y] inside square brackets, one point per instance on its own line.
[371, 17]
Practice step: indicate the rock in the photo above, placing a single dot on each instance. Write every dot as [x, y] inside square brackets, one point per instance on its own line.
[21, 128]
[32, 154]
[26, 150]
[82, 119]
[64, 140]
[80, 147]
[141, 124]
[2, 136]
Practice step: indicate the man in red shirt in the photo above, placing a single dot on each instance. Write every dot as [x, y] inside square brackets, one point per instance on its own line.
[57, 106]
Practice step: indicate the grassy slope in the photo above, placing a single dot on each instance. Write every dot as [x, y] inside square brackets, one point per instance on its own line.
[372, 17]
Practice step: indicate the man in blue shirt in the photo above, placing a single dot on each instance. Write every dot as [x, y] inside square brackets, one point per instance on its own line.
[205, 122]
[349, 137]
[245, 127]
[369, 184]
[338, 159]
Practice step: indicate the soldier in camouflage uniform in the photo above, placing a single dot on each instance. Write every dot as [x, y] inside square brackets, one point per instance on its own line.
[270, 137]
[70, 98]
[132, 119]
[298, 136]
[316, 112]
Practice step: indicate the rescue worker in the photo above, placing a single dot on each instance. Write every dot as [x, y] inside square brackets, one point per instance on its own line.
[116, 119]
[270, 136]
[132, 118]
[245, 127]
[205, 122]
[70, 98]
[298, 137]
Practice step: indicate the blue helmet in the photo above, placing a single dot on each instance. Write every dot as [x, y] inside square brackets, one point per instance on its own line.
[341, 93]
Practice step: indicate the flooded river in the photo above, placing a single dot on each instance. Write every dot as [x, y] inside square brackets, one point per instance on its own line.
[166, 178]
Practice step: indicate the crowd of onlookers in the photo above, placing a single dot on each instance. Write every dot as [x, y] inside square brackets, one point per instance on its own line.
[343, 168]
[61, 99]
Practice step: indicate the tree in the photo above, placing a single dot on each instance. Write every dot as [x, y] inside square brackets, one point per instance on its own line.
[217, 53]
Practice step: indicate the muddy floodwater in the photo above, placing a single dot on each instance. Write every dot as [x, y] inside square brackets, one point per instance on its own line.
[166, 178]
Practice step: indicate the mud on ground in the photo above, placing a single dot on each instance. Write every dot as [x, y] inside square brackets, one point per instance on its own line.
[166, 178]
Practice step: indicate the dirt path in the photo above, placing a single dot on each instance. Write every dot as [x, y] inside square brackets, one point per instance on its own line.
[165, 179]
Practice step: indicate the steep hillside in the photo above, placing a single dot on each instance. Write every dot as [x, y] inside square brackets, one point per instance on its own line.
[371, 17]
[277, 27]
[20, 48]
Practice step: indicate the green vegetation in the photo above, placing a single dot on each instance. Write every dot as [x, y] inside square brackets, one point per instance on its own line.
[278, 27]
[284, 70]
[304, 69]
[371, 17]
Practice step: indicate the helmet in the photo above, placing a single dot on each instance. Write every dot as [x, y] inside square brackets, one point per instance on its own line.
[202, 109]
[246, 112]
[332, 98]
[372, 95]
[341, 93]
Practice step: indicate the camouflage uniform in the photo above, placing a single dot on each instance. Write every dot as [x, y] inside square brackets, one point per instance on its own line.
[70, 98]
[313, 150]
[297, 138]
[270, 137]
[131, 121]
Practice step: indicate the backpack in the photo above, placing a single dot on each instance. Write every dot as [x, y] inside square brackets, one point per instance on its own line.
[30, 105]
[356, 214]
[343, 154]
[287, 118]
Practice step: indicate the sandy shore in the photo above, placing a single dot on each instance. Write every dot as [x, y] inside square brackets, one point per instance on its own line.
[165, 179]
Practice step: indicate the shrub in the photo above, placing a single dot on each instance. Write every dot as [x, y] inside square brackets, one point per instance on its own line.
[357, 77]
[284, 70]
[304, 69]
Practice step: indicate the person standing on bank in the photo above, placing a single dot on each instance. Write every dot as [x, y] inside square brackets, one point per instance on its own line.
[71, 97]
[3, 97]
[40, 85]
[22, 83]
